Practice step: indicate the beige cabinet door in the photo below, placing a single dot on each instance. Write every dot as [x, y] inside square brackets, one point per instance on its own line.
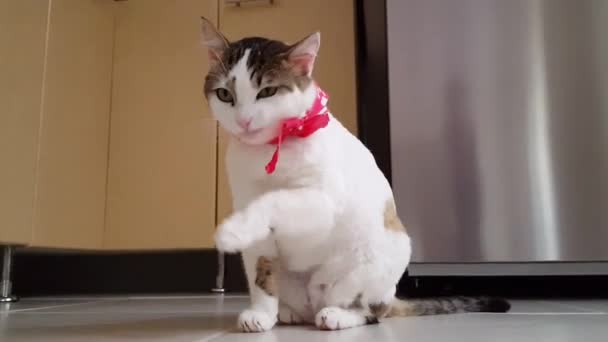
[162, 169]
[73, 151]
[290, 21]
[22, 44]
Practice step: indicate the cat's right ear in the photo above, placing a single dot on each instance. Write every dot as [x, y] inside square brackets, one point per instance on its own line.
[215, 42]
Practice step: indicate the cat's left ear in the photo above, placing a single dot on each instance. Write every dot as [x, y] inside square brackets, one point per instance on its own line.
[215, 42]
[302, 54]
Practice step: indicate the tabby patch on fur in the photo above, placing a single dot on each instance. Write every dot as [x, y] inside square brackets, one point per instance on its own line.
[267, 61]
[265, 277]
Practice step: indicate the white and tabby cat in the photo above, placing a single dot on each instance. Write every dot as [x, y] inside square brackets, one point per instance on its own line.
[320, 236]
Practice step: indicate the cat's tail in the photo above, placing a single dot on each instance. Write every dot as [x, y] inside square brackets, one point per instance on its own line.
[448, 305]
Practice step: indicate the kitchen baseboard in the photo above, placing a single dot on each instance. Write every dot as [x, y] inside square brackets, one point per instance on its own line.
[53, 273]
[69, 273]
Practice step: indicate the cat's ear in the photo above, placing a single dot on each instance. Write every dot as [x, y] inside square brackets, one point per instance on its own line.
[215, 42]
[302, 54]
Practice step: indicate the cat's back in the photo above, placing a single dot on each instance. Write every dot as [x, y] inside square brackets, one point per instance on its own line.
[363, 179]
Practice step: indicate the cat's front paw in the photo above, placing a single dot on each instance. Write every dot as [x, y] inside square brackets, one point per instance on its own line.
[255, 321]
[239, 231]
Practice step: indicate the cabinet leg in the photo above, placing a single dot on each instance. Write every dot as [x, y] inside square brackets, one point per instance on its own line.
[221, 268]
[6, 285]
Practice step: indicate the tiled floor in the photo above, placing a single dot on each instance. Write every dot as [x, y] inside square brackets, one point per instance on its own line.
[212, 319]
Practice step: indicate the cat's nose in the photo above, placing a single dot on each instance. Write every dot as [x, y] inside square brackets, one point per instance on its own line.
[244, 123]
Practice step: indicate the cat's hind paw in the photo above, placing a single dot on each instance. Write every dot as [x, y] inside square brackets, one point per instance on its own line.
[289, 317]
[334, 318]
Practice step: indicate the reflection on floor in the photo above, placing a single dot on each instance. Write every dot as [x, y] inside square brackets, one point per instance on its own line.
[212, 318]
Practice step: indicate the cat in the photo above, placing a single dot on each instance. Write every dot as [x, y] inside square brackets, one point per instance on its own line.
[314, 218]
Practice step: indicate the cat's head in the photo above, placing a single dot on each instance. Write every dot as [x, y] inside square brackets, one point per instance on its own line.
[253, 84]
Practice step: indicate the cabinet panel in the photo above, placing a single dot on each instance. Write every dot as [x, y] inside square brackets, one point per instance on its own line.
[162, 171]
[291, 21]
[70, 203]
[22, 44]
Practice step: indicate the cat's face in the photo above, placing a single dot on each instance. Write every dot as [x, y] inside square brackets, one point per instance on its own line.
[255, 83]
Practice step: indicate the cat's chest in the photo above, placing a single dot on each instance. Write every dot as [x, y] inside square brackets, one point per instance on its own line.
[296, 256]
[299, 165]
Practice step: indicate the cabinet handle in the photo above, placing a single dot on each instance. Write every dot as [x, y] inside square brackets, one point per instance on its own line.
[238, 3]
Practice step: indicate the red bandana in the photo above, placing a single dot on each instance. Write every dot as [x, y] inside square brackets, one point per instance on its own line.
[316, 118]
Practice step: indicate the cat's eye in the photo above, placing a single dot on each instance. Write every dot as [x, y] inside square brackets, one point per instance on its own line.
[224, 95]
[267, 92]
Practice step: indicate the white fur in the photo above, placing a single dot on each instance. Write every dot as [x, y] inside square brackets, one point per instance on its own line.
[325, 203]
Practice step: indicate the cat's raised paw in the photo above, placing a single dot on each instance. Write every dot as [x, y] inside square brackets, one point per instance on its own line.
[255, 321]
[228, 240]
[238, 231]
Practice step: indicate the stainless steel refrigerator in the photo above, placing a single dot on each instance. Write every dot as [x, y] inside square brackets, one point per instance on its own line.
[499, 134]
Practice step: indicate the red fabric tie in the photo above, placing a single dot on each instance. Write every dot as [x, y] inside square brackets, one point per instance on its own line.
[316, 118]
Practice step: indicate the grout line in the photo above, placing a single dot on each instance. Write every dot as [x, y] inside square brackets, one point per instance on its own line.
[38, 311]
[209, 296]
[213, 337]
[199, 313]
[72, 298]
[138, 297]
[50, 307]
[570, 306]
[539, 313]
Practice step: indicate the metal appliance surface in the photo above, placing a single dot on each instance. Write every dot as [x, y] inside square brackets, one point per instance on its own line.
[499, 128]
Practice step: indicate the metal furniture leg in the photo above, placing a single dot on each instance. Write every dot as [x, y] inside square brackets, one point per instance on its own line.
[6, 294]
[221, 268]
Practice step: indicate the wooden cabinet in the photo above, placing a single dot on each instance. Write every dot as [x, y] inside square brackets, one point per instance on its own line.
[54, 93]
[290, 21]
[22, 46]
[162, 175]
[106, 140]
[69, 207]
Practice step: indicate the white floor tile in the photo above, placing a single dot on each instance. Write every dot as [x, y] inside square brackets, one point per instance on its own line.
[212, 318]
